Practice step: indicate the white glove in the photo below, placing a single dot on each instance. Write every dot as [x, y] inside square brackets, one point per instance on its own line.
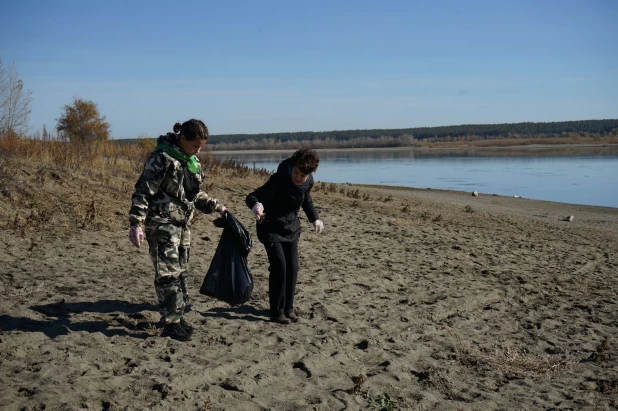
[318, 225]
[136, 235]
[258, 210]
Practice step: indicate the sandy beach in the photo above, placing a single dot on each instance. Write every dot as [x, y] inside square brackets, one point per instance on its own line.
[411, 299]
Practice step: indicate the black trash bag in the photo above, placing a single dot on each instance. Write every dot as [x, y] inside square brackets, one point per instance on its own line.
[229, 278]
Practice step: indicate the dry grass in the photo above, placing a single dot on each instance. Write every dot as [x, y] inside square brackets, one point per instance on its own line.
[601, 355]
[326, 188]
[212, 166]
[21, 294]
[207, 406]
[60, 187]
[513, 361]
[152, 330]
[513, 142]
[54, 153]
[357, 388]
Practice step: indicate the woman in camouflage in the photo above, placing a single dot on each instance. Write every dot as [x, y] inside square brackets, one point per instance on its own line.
[165, 198]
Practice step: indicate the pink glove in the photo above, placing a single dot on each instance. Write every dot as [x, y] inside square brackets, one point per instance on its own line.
[136, 235]
[318, 225]
[222, 210]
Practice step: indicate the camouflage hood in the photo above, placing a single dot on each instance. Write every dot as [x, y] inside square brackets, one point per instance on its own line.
[169, 139]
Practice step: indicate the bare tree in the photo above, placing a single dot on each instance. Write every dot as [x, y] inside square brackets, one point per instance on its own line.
[15, 102]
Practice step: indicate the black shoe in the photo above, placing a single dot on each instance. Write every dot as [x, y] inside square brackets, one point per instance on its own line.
[176, 332]
[282, 319]
[188, 327]
[292, 316]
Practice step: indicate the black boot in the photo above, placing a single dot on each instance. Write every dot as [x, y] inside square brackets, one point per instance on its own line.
[281, 319]
[176, 332]
[188, 327]
[292, 316]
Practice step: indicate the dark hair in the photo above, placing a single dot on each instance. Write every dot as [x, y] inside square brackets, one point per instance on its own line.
[192, 129]
[306, 160]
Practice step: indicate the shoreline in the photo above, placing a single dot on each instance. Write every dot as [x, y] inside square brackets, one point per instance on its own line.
[417, 190]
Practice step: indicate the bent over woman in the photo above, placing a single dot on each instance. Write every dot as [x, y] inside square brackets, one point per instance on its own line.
[165, 198]
[276, 205]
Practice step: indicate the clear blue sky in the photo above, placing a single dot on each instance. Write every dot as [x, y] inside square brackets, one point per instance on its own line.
[272, 66]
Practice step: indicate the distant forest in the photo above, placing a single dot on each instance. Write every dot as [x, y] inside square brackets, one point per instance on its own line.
[412, 136]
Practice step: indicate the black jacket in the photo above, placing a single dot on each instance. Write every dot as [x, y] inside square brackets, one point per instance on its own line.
[282, 200]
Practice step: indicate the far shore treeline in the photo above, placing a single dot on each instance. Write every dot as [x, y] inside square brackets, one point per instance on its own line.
[564, 131]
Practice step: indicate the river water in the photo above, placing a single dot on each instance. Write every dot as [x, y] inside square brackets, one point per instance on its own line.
[576, 175]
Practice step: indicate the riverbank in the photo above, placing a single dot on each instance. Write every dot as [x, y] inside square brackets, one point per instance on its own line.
[430, 299]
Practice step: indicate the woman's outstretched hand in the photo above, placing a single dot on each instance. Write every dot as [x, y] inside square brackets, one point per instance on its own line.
[258, 210]
[318, 225]
[136, 235]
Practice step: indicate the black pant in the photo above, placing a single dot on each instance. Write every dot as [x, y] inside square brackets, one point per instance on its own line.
[283, 259]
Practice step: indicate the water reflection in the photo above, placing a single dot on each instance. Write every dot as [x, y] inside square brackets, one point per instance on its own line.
[396, 154]
[580, 175]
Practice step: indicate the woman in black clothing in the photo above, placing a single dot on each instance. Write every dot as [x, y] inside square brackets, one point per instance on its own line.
[276, 205]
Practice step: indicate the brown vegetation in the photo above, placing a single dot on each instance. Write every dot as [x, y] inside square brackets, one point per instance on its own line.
[57, 184]
[409, 141]
[81, 122]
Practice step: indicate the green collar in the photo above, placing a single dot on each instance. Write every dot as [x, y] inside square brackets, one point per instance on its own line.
[192, 162]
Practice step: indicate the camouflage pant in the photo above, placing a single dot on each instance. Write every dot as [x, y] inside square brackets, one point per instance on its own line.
[169, 251]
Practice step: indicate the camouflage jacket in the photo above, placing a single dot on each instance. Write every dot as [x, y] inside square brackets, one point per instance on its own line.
[167, 191]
